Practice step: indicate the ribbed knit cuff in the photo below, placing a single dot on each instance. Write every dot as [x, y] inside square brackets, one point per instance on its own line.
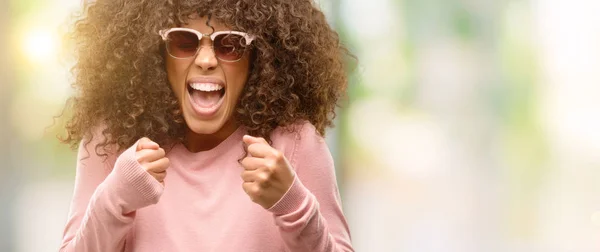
[139, 188]
[291, 200]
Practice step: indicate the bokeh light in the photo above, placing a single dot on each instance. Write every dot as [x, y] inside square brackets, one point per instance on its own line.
[40, 45]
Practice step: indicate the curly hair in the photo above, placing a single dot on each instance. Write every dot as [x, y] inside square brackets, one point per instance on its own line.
[297, 68]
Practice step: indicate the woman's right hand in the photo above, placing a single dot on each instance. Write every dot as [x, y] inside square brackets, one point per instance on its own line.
[152, 158]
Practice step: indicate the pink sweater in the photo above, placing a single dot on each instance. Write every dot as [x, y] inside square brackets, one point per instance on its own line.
[117, 206]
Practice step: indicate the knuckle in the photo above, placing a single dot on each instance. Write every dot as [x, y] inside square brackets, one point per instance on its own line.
[264, 177]
[271, 165]
[277, 155]
[256, 191]
[247, 188]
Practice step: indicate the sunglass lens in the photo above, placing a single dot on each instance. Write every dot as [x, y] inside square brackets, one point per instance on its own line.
[182, 44]
[229, 47]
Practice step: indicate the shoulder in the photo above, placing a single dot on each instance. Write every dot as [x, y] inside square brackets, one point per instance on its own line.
[293, 134]
[299, 140]
[93, 148]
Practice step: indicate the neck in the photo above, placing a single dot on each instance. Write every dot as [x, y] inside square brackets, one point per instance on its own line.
[195, 142]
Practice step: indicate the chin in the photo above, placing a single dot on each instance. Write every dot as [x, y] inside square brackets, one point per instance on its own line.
[204, 127]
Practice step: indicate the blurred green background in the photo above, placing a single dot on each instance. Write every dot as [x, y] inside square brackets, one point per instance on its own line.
[471, 125]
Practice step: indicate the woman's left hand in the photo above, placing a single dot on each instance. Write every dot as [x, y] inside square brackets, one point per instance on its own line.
[267, 173]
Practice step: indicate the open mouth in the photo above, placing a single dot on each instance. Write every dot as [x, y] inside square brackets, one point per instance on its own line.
[206, 97]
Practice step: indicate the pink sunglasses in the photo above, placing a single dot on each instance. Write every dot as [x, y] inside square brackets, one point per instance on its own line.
[184, 43]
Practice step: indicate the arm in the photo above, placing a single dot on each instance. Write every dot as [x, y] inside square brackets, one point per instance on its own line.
[309, 215]
[105, 199]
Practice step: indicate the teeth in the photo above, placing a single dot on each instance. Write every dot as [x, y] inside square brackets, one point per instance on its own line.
[206, 87]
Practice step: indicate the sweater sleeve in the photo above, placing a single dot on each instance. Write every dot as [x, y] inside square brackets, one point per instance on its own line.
[105, 199]
[309, 215]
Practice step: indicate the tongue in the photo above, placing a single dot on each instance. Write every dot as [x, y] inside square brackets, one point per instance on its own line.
[206, 99]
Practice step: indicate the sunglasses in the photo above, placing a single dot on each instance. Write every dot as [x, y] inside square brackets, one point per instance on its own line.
[184, 43]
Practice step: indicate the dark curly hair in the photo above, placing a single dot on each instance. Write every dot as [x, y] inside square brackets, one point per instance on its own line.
[297, 68]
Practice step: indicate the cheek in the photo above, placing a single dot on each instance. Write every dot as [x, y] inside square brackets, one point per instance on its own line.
[237, 75]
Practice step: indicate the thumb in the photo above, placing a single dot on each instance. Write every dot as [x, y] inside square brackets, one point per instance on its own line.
[146, 143]
[248, 140]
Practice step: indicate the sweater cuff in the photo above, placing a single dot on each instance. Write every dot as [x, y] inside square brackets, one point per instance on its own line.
[141, 187]
[292, 200]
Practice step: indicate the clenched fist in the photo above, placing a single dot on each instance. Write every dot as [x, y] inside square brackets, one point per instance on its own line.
[152, 158]
[267, 173]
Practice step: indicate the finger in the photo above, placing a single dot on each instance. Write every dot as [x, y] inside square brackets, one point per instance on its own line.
[252, 190]
[248, 176]
[252, 163]
[146, 143]
[246, 186]
[160, 176]
[261, 150]
[158, 166]
[149, 155]
[259, 177]
[140, 143]
[150, 145]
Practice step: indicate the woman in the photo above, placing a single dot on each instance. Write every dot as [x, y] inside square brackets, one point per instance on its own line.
[200, 127]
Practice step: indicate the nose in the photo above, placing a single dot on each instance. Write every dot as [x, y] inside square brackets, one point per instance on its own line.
[206, 58]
